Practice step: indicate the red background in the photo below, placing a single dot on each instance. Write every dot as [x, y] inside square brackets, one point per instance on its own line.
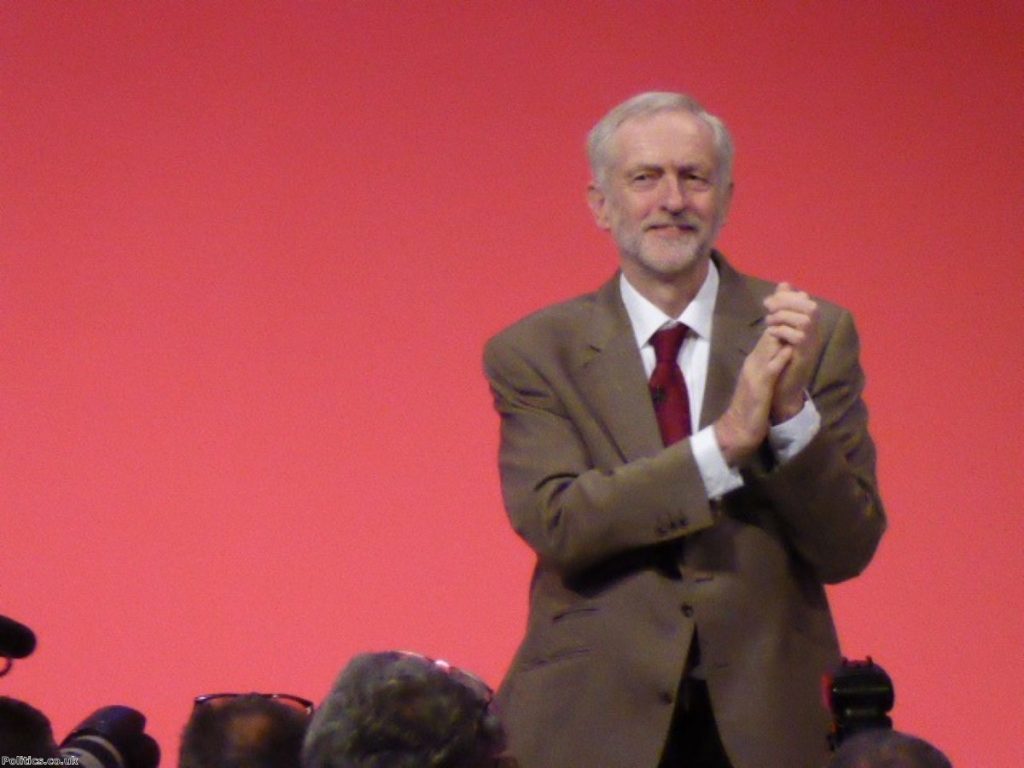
[251, 252]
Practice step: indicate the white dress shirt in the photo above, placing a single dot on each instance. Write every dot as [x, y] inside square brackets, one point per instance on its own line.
[787, 439]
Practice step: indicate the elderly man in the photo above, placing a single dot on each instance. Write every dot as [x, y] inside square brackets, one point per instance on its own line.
[686, 451]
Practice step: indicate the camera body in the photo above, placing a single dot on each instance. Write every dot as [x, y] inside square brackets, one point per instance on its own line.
[112, 737]
[860, 695]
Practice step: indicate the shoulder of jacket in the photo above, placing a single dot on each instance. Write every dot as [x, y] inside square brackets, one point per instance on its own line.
[548, 324]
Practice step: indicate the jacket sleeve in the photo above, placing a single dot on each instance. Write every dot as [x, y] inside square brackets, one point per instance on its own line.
[574, 507]
[826, 497]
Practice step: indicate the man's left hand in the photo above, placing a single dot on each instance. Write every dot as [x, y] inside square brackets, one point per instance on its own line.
[793, 319]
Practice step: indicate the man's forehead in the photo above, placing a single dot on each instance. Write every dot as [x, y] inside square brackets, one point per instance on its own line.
[675, 135]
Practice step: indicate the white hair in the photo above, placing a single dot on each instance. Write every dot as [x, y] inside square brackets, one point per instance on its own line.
[650, 103]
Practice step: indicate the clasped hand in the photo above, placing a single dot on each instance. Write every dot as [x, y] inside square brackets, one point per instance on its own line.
[774, 376]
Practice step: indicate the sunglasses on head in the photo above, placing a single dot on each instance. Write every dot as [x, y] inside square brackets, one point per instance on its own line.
[297, 703]
[478, 687]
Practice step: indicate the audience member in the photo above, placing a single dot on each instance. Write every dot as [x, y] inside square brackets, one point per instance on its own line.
[402, 710]
[245, 731]
[883, 748]
[24, 731]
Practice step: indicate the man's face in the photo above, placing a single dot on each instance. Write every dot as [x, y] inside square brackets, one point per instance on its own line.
[661, 197]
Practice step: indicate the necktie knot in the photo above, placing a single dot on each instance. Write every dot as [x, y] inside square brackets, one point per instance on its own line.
[667, 342]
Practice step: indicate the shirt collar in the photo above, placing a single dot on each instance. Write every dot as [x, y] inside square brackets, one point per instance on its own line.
[647, 318]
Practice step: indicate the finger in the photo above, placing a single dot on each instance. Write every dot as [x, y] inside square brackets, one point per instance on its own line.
[767, 345]
[789, 335]
[796, 300]
[766, 371]
[793, 317]
[773, 368]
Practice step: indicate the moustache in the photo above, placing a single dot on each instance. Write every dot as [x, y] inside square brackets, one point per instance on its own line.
[687, 222]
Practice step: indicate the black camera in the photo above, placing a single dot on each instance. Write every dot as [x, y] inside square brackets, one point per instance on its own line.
[860, 695]
[112, 737]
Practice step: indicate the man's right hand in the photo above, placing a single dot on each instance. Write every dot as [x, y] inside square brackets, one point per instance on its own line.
[745, 423]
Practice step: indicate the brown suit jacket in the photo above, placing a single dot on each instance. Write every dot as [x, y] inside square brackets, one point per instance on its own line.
[633, 559]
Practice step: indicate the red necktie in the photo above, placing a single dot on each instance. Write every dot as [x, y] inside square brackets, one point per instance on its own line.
[668, 388]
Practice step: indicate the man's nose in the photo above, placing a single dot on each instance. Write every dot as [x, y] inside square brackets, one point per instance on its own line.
[675, 197]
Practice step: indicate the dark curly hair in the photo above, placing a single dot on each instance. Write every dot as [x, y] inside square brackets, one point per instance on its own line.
[401, 710]
[883, 748]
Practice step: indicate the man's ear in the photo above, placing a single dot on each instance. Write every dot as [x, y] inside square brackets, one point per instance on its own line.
[598, 205]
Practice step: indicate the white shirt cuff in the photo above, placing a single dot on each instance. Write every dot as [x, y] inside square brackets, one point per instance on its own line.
[718, 477]
[792, 436]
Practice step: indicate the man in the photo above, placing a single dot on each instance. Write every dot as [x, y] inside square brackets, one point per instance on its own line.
[884, 748]
[684, 527]
[251, 730]
[401, 710]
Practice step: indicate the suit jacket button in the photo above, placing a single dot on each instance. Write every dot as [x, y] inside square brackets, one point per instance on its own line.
[687, 610]
[665, 696]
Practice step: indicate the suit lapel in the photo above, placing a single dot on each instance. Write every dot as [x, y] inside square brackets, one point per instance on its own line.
[611, 373]
[611, 377]
[737, 325]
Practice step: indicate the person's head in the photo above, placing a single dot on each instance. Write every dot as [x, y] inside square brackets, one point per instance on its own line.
[244, 731]
[661, 183]
[24, 730]
[599, 140]
[401, 710]
[884, 748]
